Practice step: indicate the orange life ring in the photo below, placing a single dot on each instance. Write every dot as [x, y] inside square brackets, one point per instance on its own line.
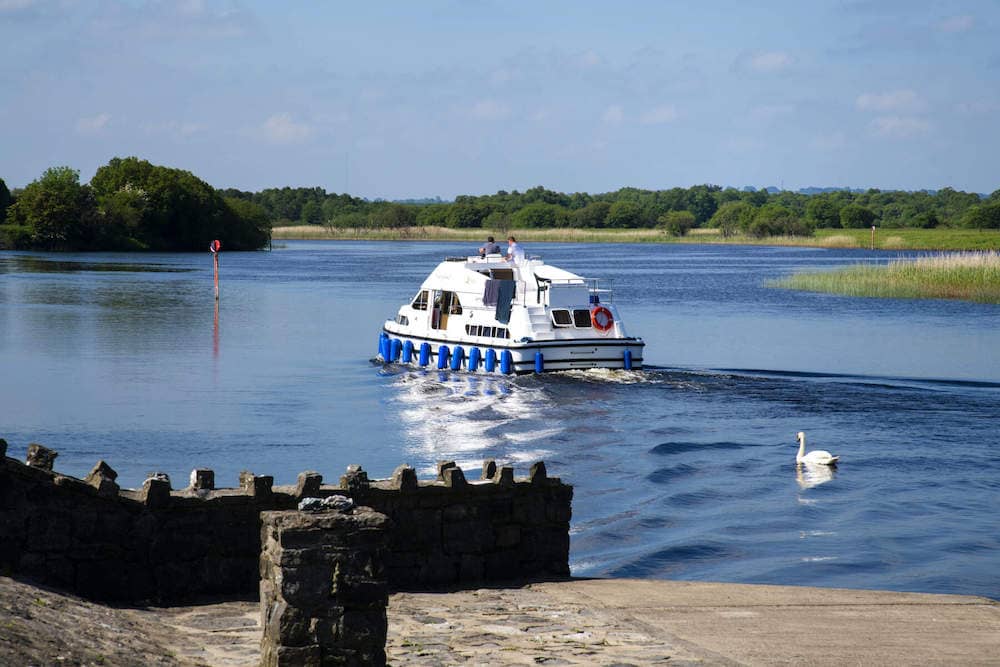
[601, 318]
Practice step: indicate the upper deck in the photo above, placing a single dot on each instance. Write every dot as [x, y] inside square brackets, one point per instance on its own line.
[537, 283]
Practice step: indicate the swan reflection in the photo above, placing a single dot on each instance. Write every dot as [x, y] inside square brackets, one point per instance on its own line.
[809, 475]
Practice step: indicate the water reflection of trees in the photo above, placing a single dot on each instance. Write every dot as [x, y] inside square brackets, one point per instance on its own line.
[129, 316]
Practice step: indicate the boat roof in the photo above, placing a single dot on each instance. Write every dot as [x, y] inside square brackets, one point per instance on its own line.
[476, 270]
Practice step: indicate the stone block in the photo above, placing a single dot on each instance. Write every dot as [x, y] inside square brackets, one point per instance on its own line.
[454, 478]
[257, 486]
[404, 478]
[288, 626]
[506, 477]
[40, 456]
[292, 656]
[538, 474]
[442, 466]
[355, 479]
[308, 484]
[155, 492]
[102, 477]
[202, 479]
[359, 629]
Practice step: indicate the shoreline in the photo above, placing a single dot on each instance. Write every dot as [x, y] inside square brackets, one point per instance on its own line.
[570, 622]
[859, 239]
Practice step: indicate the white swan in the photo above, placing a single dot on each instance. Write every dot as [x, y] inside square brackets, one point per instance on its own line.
[817, 456]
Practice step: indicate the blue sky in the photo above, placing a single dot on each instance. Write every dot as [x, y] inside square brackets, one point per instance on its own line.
[440, 98]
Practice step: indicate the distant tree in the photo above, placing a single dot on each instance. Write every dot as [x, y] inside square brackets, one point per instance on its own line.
[733, 216]
[246, 225]
[592, 216]
[393, 216]
[435, 215]
[822, 212]
[677, 223]
[854, 216]
[465, 214]
[173, 208]
[701, 203]
[926, 220]
[539, 215]
[624, 214]
[59, 212]
[540, 194]
[498, 221]
[5, 200]
[777, 220]
[755, 197]
[311, 213]
[984, 216]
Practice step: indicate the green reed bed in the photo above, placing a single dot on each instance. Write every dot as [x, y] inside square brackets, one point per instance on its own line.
[968, 276]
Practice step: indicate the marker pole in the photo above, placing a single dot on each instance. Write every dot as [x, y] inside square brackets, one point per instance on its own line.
[214, 247]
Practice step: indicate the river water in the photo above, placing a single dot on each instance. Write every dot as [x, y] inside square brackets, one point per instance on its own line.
[684, 470]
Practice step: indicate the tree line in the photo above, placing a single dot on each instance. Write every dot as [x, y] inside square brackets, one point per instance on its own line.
[132, 204]
[677, 210]
[129, 204]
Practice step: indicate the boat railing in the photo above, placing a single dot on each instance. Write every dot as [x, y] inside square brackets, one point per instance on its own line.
[600, 290]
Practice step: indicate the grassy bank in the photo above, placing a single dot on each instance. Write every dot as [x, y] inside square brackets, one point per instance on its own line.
[969, 276]
[886, 239]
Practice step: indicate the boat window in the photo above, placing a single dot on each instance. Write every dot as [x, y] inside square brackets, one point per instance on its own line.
[502, 274]
[561, 317]
[402, 319]
[420, 302]
[581, 318]
[456, 307]
[487, 332]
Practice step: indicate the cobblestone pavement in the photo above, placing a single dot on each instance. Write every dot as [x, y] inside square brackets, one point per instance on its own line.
[519, 626]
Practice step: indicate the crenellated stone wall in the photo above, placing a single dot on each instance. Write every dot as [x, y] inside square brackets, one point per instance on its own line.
[168, 545]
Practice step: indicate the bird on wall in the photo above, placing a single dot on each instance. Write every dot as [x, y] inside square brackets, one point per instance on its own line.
[817, 456]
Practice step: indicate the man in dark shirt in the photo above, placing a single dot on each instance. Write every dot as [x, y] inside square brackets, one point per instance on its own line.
[491, 247]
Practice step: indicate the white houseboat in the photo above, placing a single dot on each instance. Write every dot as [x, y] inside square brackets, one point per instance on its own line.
[523, 317]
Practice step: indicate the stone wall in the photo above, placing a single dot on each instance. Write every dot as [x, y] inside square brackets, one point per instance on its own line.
[323, 591]
[157, 543]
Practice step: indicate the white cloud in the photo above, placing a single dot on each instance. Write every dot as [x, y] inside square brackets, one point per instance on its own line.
[281, 129]
[899, 127]
[895, 100]
[769, 61]
[94, 124]
[613, 115]
[490, 110]
[957, 24]
[659, 115]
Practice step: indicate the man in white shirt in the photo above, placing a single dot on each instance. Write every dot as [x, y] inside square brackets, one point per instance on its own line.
[515, 253]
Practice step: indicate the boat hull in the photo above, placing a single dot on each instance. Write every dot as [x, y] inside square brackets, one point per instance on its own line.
[556, 355]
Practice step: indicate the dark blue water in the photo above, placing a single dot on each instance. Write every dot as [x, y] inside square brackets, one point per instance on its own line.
[684, 470]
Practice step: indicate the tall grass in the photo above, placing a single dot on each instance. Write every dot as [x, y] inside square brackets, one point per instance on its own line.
[910, 239]
[968, 276]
